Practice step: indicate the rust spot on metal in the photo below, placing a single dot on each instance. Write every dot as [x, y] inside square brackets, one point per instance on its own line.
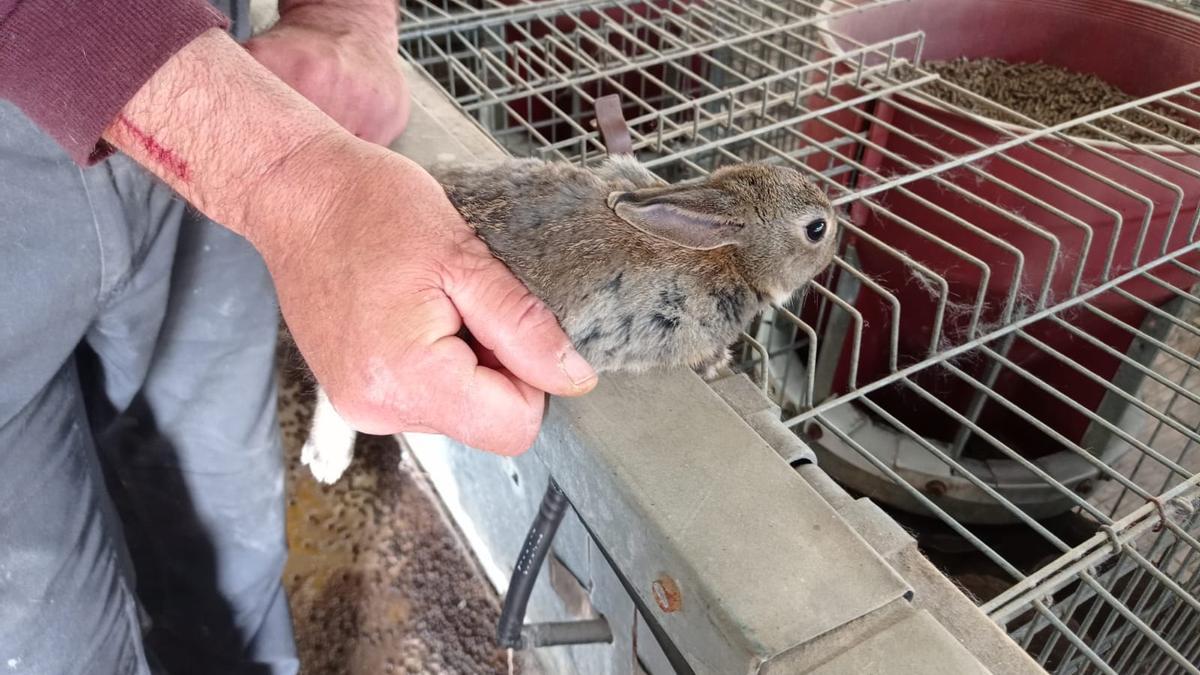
[814, 432]
[666, 594]
[936, 488]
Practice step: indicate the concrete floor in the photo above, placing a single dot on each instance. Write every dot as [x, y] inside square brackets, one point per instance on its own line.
[378, 578]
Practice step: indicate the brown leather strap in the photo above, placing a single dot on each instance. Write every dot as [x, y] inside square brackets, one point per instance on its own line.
[613, 129]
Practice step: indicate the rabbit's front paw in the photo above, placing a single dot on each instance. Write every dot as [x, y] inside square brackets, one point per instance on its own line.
[714, 367]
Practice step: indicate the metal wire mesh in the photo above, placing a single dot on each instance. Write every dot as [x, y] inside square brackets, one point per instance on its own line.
[418, 14]
[1007, 347]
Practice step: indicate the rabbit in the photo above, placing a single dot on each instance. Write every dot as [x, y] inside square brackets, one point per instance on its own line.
[640, 274]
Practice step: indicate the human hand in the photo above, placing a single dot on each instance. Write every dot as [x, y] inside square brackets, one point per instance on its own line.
[376, 272]
[375, 288]
[344, 62]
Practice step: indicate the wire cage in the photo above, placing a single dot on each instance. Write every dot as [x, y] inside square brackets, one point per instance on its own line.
[1006, 350]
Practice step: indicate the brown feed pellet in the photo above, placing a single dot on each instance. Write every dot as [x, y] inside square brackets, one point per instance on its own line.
[1052, 95]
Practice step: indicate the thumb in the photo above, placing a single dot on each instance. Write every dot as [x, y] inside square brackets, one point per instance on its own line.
[519, 329]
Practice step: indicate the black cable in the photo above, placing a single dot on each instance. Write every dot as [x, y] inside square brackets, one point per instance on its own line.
[675, 657]
[529, 563]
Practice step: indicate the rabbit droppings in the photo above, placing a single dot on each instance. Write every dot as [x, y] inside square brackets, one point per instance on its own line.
[639, 273]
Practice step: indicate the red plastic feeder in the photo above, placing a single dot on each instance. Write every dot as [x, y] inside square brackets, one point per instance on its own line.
[1140, 48]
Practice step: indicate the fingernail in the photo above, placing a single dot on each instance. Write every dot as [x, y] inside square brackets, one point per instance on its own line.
[576, 368]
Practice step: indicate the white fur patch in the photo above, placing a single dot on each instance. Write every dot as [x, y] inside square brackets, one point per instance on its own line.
[330, 445]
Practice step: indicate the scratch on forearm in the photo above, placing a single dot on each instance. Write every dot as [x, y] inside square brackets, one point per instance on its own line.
[161, 154]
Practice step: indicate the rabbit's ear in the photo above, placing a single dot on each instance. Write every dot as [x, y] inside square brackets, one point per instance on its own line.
[671, 213]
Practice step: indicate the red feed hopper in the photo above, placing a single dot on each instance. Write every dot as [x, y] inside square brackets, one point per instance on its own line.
[1140, 48]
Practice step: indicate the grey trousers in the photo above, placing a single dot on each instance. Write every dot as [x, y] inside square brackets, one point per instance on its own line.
[141, 471]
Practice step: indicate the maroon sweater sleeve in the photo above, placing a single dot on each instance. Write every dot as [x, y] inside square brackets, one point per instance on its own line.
[72, 65]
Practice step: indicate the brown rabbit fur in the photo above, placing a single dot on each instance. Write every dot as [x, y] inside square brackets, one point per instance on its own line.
[640, 273]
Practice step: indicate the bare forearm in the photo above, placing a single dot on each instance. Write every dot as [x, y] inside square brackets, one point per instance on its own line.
[218, 127]
[70, 67]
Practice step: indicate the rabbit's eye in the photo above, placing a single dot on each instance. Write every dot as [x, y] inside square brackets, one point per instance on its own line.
[816, 230]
